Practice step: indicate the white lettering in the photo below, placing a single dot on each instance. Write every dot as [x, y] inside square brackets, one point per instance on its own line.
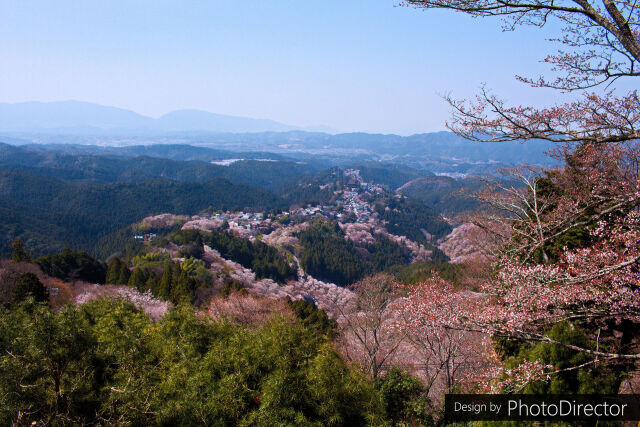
[512, 406]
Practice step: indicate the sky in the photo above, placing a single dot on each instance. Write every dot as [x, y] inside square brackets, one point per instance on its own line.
[355, 65]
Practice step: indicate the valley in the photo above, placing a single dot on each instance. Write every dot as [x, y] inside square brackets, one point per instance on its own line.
[319, 213]
[278, 228]
[348, 245]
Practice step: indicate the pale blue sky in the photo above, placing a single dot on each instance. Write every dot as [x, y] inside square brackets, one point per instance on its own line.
[353, 65]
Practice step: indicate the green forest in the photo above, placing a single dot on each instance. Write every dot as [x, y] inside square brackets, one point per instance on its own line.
[328, 256]
[407, 217]
[106, 362]
[49, 214]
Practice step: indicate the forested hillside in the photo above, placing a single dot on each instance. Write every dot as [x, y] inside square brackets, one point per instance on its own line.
[192, 268]
[406, 217]
[181, 152]
[390, 175]
[55, 196]
[50, 214]
[444, 194]
[104, 166]
[329, 256]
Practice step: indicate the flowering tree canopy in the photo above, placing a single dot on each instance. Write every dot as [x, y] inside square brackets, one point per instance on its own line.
[570, 236]
[602, 43]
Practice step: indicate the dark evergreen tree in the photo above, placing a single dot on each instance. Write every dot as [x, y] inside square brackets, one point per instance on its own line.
[313, 318]
[152, 281]
[73, 265]
[405, 398]
[183, 290]
[138, 279]
[28, 285]
[113, 271]
[20, 253]
[164, 288]
[176, 272]
[124, 274]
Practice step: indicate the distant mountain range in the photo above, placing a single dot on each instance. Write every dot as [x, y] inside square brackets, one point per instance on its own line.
[97, 165]
[88, 118]
[81, 124]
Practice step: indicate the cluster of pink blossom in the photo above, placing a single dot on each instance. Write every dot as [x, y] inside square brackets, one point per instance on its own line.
[358, 233]
[162, 221]
[221, 267]
[204, 224]
[327, 295]
[498, 379]
[599, 281]
[363, 234]
[593, 118]
[10, 268]
[282, 237]
[436, 303]
[599, 181]
[442, 319]
[459, 245]
[249, 310]
[85, 292]
[420, 253]
[602, 177]
[153, 307]
[593, 283]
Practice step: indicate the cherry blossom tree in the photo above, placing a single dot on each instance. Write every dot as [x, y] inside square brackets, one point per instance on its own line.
[595, 284]
[569, 236]
[368, 333]
[596, 183]
[601, 44]
[446, 356]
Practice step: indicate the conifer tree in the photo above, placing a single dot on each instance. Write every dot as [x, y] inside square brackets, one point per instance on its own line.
[152, 281]
[183, 290]
[164, 289]
[20, 253]
[138, 279]
[113, 271]
[124, 274]
[175, 274]
[29, 285]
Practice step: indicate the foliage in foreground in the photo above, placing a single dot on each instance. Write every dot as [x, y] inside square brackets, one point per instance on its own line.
[106, 362]
[592, 378]
[73, 265]
[405, 398]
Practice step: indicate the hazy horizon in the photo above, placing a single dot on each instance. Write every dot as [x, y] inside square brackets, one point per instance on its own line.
[356, 67]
